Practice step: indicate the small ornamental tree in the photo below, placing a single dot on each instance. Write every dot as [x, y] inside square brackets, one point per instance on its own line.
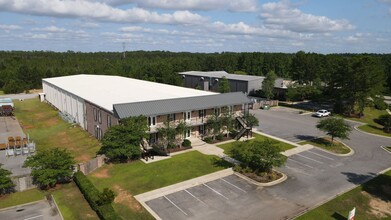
[251, 120]
[48, 167]
[122, 142]
[215, 124]
[335, 127]
[168, 132]
[6, 184]
[259, 156]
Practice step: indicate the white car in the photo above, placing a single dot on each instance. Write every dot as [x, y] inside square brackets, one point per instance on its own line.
[322, 113]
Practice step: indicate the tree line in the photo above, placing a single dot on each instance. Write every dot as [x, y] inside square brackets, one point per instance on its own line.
[348, 78]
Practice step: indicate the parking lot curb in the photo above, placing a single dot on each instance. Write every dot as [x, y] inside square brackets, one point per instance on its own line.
[144, 197]
[339, 155]
[377, 135]
[24, 204]
[275, 182]
[183, 185]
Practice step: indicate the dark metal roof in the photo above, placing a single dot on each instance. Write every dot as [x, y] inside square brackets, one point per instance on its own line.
[166, 106]
[221, 74]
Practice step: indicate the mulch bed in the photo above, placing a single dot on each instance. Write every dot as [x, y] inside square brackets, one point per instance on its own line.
[218, 141]
[265, 178]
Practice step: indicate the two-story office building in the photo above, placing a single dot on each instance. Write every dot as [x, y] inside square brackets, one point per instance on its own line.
[97, 102]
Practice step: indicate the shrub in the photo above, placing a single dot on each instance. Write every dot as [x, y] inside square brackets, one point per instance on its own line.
[380, 104]
[106, 197]
[102, 208]
[208, 140]
[186, 143]
[219, 137]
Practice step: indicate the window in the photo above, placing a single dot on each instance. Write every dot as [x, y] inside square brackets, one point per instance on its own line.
[171, 117]
[152, 121]
[108, 121]
[201, 129]
[217, 111]
[99, 117]
[98, 132]
[201, 113]
[187, 116]
[95, 115]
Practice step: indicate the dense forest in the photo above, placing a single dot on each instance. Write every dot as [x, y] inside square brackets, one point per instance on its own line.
[334, 76]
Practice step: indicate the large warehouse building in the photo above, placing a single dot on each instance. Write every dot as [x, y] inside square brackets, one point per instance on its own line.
[97, 102]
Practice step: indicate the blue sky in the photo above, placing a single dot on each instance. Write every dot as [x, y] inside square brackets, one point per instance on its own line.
[322, 26]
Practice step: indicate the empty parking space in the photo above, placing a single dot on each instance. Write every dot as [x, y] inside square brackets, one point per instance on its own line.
[312, 162]
[210, 200]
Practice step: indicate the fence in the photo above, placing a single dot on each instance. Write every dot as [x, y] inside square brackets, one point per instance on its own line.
[91, 165]
[23, 182]
[262, 103]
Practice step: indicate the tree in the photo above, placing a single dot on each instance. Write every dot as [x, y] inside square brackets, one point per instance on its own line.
[6, 184]
[259, 156]
[335, 127]
[181, 128]
[48, 167]
[251, 120]
[122, 142]
[168, 133]
[268, 85]
[215, 124]
[224, 85]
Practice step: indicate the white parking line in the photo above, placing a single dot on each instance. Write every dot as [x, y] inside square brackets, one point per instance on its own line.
[195, 197]
[237, 187]
[215, 191]
[175, 205]
[33, 217]
[320, 155]
[300, 163]
[297, 170]
[309, 158]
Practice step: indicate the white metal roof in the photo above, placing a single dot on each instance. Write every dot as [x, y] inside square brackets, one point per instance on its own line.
[221, 74]
[104, 90]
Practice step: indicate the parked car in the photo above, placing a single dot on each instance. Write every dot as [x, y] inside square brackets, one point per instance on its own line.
[322, 113]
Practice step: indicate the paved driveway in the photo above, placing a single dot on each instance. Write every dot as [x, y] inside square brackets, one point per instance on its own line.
[41, 210]
[313, 177]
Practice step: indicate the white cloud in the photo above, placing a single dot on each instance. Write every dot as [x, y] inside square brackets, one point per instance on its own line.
[98, 11]
[10, 27]
[50, 29]
[282, 15]
[234, 6]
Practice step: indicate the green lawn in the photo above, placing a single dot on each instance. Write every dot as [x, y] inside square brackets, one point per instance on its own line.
[375, 194]
[325, 143]
[48, 130]
[19, 198]
[1, 92]
[130, 179]
[72, 203]
[257, 137]
[370, 114]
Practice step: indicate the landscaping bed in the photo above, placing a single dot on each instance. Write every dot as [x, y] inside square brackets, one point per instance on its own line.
[178, 149]
[262, 177]
[325, 143]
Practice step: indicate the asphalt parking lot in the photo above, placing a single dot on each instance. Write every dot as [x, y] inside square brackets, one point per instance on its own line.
[314, 176]
[41, 210]
[232, 197]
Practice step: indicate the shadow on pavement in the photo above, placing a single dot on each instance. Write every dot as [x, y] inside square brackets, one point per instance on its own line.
[358, 178]
[304, 137]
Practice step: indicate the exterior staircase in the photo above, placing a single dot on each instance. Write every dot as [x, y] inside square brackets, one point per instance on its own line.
[245, 128]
